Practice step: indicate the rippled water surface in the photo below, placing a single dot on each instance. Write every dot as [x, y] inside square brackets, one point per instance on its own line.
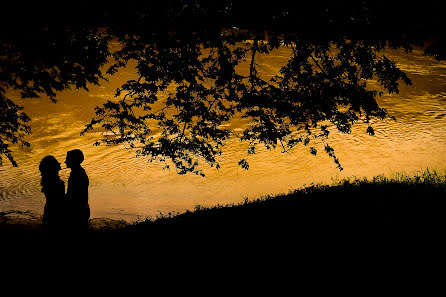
[129, 188]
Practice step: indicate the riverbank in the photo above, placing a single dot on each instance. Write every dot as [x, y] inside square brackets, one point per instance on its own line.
[360, 211]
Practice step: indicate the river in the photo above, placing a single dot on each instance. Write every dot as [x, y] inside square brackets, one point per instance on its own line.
[129, 188]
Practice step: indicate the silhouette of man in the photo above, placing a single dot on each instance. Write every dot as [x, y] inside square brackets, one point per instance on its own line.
[77, 191]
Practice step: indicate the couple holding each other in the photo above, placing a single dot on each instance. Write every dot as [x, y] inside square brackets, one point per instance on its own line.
[62, 211]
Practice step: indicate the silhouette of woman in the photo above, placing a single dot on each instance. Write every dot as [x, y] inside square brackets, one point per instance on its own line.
[77, 191]
[54, 189]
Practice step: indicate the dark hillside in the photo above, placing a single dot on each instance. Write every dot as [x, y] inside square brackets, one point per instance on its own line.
[356, 214]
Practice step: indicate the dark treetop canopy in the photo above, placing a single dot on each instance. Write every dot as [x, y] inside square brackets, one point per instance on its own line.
[189, 83]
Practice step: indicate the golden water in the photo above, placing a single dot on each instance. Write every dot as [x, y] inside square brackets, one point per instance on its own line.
[129, 188]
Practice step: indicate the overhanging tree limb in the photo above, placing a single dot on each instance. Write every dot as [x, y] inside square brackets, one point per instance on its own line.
[168, 41]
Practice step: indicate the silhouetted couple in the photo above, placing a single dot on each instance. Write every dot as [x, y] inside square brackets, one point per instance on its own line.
[65, 212]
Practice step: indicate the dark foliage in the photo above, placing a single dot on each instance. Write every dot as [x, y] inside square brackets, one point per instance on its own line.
[41, 56]
[189, 85]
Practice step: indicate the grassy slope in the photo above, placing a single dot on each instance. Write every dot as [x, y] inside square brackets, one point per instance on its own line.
[340, 218]
[359, 211]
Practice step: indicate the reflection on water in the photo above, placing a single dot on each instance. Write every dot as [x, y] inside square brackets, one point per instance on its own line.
[124, 187]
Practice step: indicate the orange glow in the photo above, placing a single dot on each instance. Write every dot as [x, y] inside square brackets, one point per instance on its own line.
[125, 187]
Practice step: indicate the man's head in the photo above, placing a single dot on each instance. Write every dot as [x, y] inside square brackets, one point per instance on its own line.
[74, 158]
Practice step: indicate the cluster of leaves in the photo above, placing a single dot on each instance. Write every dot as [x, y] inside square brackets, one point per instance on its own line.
[189, 85]
[42, 61]
[13, 127]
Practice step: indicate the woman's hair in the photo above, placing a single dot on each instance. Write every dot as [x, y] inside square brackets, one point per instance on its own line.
[49, 167]
[49, 164]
